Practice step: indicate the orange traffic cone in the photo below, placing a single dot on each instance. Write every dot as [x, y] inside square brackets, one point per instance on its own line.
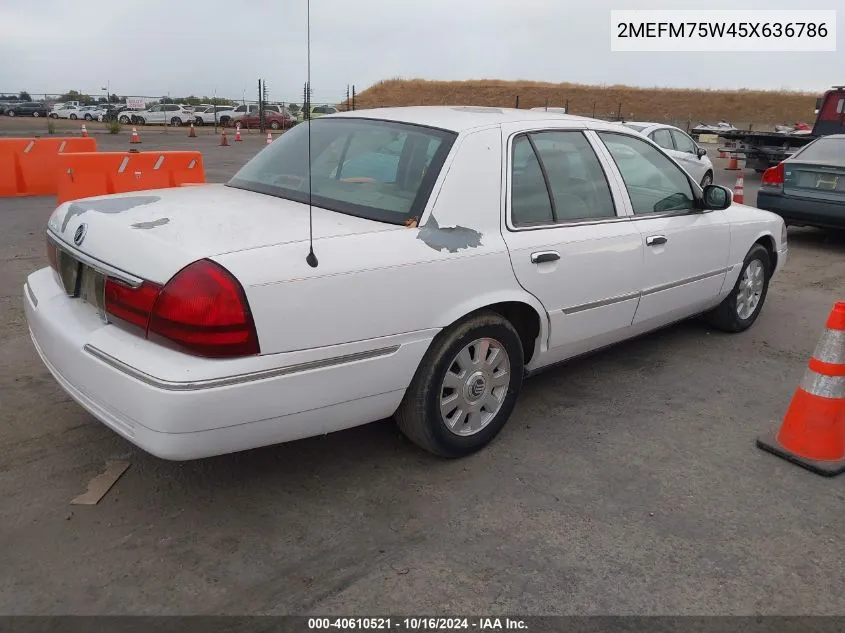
[238, 132]
[739, 189]
[269, 138]
[722, 153]
[135, 138]
[192, 133]
[733, 163]
[813, 432]
[224, 141]
[84, 131]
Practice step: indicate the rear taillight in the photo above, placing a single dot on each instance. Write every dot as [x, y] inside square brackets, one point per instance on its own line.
[132, 305]
[202, 310]
[773, 176]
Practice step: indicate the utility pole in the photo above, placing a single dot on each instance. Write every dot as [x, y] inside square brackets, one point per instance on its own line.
[347, 97]
[353, 96]
[260, 109]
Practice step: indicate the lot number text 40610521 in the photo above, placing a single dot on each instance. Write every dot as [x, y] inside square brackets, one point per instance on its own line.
[418, 624]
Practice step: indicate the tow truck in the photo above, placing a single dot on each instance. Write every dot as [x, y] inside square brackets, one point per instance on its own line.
[766, 149]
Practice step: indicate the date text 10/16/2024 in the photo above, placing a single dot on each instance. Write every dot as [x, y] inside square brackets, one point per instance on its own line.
[417, 624]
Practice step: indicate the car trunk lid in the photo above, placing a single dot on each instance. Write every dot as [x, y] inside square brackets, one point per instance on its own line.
[153, 234]
[814, 180]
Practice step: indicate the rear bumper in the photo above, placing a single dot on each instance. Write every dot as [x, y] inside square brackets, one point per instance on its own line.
[181, 407]
[803, 211]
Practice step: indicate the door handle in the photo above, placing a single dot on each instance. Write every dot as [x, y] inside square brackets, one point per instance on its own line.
[655, 240]
[544, 256]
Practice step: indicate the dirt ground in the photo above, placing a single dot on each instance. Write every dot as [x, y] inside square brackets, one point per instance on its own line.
[626, 482]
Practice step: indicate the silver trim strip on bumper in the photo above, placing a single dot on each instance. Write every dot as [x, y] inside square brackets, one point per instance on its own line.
[599, 304]
[31, 295]
[210, 383]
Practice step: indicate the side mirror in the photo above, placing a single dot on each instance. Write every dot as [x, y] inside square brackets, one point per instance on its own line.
[701, 152]
[717, 197]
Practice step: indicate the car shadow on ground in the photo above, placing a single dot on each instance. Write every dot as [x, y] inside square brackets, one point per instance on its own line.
[828, 240]
[348, 454]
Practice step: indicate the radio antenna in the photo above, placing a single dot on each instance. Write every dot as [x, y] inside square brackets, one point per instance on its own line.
[311, 259]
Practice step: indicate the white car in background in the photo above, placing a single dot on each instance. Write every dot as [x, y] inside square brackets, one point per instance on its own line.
[680, 146]
[65, 112]
[90, 113]
[207, 116]
[163, 114]
[455, 250]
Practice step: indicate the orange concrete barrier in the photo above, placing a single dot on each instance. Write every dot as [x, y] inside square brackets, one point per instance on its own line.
[11, 176]
[28, 166]
[87, 174]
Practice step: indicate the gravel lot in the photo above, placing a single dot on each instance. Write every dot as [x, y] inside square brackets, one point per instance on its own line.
[626, 482]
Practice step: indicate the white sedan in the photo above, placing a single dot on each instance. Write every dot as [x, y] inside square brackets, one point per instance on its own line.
[680, 146]
[65, 112]
[455, 250]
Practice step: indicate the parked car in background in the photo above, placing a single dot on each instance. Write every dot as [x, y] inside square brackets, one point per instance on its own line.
[65, 112]
[680, 146]
[91, 112]
[127, 115]
[274, 120]
[163, 114]
[527, 239]
[207, 116]
[808, 188]
[57, 106]
[317, 111]
[29, 108]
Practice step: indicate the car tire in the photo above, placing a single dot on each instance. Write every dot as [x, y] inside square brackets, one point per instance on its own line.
[224, 121]
[752, 285]
[35, 114]
[707, 179]
[54, 116]
[198, 122]
[11, 113]
[73, 117]
[275, 125]
[125, 120]
[88, 117]
[176, 121]
[419, 416]
[139, 121]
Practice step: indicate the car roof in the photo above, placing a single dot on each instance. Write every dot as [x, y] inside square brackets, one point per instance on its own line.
[460, 118]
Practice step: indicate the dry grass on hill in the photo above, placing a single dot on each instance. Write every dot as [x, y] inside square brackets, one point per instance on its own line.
[761, 108]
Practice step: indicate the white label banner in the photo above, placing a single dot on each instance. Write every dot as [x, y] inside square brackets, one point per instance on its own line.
[762, 30]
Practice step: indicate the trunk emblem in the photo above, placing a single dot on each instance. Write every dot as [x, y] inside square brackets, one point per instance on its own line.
[79, 236]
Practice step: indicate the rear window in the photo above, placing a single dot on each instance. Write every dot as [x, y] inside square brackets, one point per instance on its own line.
[380, 170]
[824, 150]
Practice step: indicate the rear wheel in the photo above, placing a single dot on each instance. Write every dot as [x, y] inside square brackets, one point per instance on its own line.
[73, 117]
[275, 125]
[176, 121]
[742, 306]
[88, 117]
[125, 120]
[11, 113]
[54, 116]
[198, 121]
[465, 387]
[139, 120]
[36, 115]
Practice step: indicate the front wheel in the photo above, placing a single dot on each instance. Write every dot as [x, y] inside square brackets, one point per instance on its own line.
[73, 117]
[176, 121]
[11, 113]
[275, 125]
[465, 387]
[36, 115]
[54, 116]
[742, 306]
[707, 180]
[198, 122]
[88, 117]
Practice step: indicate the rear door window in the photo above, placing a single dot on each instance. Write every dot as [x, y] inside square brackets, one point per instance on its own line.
[663, 138]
